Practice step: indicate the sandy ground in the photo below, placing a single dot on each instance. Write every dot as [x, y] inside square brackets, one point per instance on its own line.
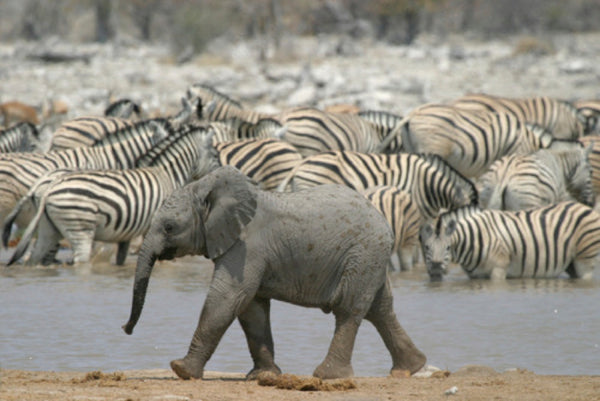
[470, 383]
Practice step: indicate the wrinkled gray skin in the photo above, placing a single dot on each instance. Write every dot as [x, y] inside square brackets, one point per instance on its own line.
[332, 255]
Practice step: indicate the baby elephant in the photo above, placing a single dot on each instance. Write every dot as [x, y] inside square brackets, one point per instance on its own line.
[325, 247]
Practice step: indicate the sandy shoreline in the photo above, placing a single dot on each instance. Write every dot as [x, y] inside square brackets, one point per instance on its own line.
[469, 383]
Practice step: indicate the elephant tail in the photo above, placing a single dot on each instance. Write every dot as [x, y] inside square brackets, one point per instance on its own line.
[29, 231]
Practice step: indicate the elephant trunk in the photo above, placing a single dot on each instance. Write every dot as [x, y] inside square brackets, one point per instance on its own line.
[145, 263]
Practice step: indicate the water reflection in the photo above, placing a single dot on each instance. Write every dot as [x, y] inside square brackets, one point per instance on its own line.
[69, 318]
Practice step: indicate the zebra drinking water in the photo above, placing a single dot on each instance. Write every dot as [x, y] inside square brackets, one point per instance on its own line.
[542, 242]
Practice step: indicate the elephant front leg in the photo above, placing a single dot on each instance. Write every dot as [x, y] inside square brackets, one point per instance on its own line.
[337, 363]
[256, 323]
[227, 297]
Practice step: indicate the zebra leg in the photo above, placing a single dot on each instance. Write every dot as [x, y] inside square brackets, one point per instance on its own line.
[405, 355]
[256, 323]
[122, 250]
[583, 268]
[46, 245]
[406, 255]
[81, 243]
[395, 262]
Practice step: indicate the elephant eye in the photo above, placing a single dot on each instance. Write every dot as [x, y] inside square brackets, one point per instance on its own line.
[169, 227]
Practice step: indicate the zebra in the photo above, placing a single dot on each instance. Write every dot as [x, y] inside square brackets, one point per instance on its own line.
[433, 184]
[108, 205]
[544, 177]
[22, 137]
[593, 143]
[234, 129]
[542, 242]
[90, 130]
[403, 216]
[469, 141]
[267, 161]
[213, 105]
[123, 108]
[313, 131]
[384, 123]
[559, 117]
[589, 111]
[19, 171]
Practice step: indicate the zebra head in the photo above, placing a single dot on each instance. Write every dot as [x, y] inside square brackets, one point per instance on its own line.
[436, 243]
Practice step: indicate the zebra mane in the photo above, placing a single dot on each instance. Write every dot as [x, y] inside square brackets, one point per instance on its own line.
[440, 163]
[166, 145]
[212, 92]
[118, 104]
[132, 130]
[456, 214]
[24, 125]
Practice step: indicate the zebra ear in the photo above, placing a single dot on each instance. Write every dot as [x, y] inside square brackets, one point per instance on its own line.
[228, 207]
[209, 108]
[450, 227]
[426, 232]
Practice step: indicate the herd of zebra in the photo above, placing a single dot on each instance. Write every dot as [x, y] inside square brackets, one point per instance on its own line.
[504, 187]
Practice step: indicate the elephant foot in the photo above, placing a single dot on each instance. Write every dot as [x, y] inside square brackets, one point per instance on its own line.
[413, 363]
[185, 371]
[253, 374]
[328, 370]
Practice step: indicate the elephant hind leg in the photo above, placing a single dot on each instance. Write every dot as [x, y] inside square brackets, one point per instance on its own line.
[256, 323]
[405, 355]
[337, 363]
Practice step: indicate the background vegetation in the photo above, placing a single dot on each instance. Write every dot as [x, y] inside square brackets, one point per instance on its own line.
[188, 25]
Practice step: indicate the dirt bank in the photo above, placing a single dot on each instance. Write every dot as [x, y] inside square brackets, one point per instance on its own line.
[474, 383]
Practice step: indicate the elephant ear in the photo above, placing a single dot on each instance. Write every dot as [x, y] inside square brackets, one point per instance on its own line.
[228, 207]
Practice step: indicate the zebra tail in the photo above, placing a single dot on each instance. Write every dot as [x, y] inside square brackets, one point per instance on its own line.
[286, 181]
[393, 134]
[28, 234]
[10, 219]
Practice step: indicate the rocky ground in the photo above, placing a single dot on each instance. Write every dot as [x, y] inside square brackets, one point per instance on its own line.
[318, 71]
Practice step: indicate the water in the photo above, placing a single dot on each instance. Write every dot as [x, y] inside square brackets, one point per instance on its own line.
[70, 319]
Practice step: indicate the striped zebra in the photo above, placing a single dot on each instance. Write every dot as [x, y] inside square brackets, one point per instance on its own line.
[89, 131]
[213, 105]
[19, 171]
[469, 141]
[235, 129]
[266, 161]
[85, 131]
[108, 205]
[384, 123]
[313, 131]
[123, 108]
[542, 242]
[589, 111]
[22, 137]
[403, 216]
[432, 183]
[558, 117]
[593, 143]
[520, 182]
